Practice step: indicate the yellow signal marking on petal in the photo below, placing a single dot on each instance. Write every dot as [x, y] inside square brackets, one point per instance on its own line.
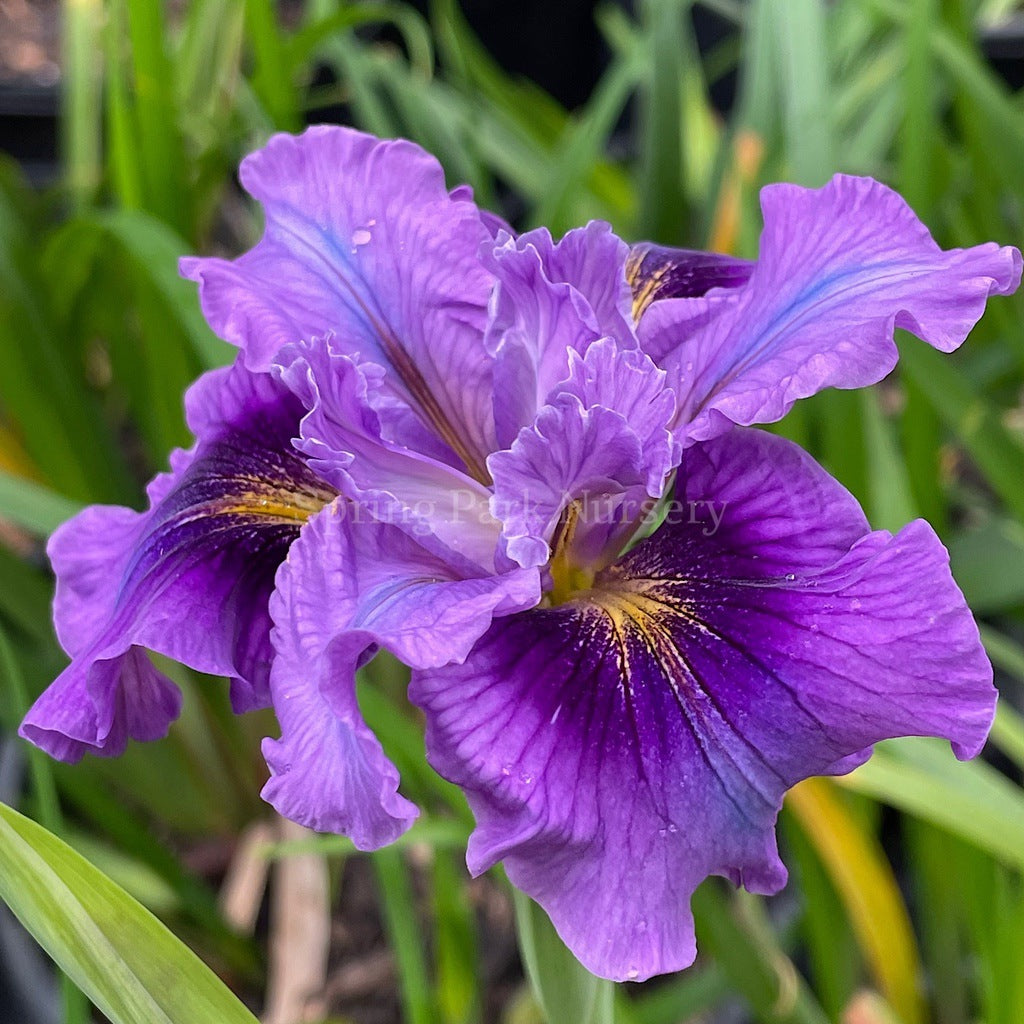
[644, 289]
[275, 503]
[568, 578]
[633, 611]
[864, 880]
[645, 284]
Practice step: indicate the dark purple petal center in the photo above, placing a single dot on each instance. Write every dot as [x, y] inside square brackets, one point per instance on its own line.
[238, 492]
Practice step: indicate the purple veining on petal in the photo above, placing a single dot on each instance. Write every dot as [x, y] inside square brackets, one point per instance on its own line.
[620, 747]
[496, 225]
[593, 259]
[631, 384]
[189, 578]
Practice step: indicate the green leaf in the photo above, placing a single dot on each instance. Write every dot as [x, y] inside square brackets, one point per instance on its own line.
[161, 152]
[965, 410]
[455, 942]
[151, 251]
[970, 799]
[123, 958]
[669, 46]
[691, 994]
[988, 563]
[890, 495]
[33, 506]
[272, 80]
[564, 988]
[1008, 727]
[802, 54]
[736, 932]
[75, 1005]
[80, 99]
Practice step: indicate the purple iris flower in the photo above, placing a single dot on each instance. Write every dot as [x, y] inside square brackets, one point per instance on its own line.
[442, 439]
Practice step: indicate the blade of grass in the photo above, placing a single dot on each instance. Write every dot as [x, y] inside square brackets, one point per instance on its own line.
[272, 77]
[838, 423]
[304, 44]
[122, 141]
[64, 435]
[737, 934]
[130, 965]
[437, 833]
[692, 995]
[150, 250]
[459, 995]
[96, 801]
[25, 596]
[480, 77]
[1008, 727]
[662, 216]
[759, 100]
[918, 131]
[80, 99]
[405, 936]
[800, 32]
[936, 857]
[971, 418]
[161, 153]
[32, 506]
[585, 141]
[835, 963]
[988, 563]
[890, 497]
[563, 988]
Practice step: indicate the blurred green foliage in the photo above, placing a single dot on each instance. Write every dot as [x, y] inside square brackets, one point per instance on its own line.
[100, 338]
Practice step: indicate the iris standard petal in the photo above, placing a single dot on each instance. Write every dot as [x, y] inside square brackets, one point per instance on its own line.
[593, 260]
[627, 381]
[599, 451]
[348, 588]
[620, 747]
[551, 299]
[363, 239]
[840, 267]
[189, 578]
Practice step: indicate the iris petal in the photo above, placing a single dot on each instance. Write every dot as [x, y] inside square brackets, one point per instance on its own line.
[601, 443]
[839, 269]
[363, 239]
[342, 438]
[348, 588]
[619, 748]
[189, 578]
[551, 299]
